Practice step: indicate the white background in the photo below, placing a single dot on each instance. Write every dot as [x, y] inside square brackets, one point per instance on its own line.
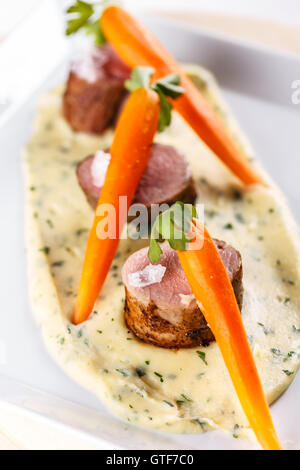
[281, 10]
[12, 11]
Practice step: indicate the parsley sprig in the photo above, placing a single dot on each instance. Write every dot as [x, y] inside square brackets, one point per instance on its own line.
[167, 86]
[173, 226]
[84, 15]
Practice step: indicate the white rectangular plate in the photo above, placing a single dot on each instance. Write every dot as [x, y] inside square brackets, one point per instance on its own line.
[258, 85]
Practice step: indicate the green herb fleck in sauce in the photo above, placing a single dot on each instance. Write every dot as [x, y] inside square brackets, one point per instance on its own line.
[123, 372]
[288, 372]
[267, 331]
[202, 356]
[57, 264]
[45, 250]
[240, 218]
[50, 223]
[159, 376]
[276, 352]
[183, 400]
[200, 423]
[80, 231]
[236, 430]
[140, 371]
[168, 403]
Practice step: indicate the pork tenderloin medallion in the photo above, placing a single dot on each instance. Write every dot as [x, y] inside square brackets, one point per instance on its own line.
[167, 178]
[95, 90]
[160, 308]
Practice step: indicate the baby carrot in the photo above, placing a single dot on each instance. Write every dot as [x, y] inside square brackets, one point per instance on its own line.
[130, 152]
[137, 46]
[212, 288]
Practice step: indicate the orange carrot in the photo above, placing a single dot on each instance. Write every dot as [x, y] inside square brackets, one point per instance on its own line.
[137, 46]
[212, 288]
[130, 152]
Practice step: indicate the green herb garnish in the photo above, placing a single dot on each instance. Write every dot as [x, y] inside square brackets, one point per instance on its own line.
[94, 29]
[165, 87]
[83, 15]
[140, 78]
[172, 226]
[80, 12]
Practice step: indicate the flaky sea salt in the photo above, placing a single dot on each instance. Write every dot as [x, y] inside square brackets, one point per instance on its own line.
[87, 64]
[186, 299]
[151, 274]
[99, 168]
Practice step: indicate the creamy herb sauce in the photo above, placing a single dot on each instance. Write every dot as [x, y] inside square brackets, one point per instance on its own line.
[186, 391]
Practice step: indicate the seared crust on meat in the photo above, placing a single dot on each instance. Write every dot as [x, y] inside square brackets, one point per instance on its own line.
[91, 107]
[95, 90]
[148, 325]
[179, 326]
